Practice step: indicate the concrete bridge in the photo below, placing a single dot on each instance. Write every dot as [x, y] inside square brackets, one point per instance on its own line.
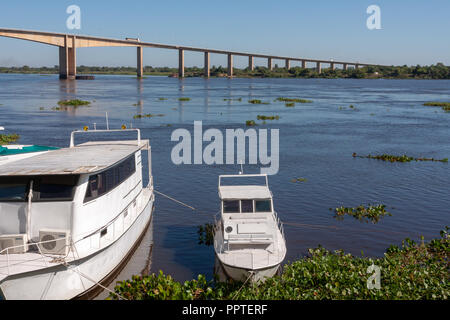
[68, 43]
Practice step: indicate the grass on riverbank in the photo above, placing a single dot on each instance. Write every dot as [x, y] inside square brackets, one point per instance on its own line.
[410, 272]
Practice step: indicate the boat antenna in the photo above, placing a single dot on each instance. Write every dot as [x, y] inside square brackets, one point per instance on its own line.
[242, 168]
[107, 123]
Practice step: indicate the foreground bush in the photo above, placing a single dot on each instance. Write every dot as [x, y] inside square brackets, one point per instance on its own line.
[414, 271]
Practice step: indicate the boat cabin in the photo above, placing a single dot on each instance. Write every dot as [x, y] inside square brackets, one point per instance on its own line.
[82, 194]
[247, 213]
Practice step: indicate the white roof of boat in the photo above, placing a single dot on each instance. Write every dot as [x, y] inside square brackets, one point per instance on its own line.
[87, 157]
[244, 192]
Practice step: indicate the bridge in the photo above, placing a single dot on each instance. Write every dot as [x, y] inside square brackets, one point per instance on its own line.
[68, 43]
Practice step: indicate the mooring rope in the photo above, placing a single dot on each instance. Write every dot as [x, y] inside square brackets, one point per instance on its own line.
[252, 273]
[293, 224]
[180, 202]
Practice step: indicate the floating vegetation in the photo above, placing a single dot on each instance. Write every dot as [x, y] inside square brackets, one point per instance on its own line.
[250, 123]
[231, 99]
[8, 138]
[402, 158]
[293, 100]
[362, 213]
[184, 99]
[444, 105]
[412, 271]
[41, 108]
[261, 117]
[290, 104]
[73, 103]
[257, 101]
[299, 180]
[161, 99]
[206, 234]
[148, 115]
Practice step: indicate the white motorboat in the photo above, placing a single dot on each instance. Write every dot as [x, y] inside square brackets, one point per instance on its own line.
[70, 217]
[248, 238]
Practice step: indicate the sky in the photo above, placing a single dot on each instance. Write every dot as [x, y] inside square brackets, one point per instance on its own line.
[412, 32]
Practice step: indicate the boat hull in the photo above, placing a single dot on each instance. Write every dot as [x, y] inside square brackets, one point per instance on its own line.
[61, 282]
[241, 274]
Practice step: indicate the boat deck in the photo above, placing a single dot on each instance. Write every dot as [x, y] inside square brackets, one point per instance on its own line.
[25, 262]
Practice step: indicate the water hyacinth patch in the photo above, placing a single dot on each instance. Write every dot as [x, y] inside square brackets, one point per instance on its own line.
[148, 115]
[261, 117]
[250, 123]
[362, 213]
[402, 158]
[290, 104]
[299, 180]
[444, 105]
[184, 99]
[410, 272]
[206, 234]
[73, 103]
[8, 138]
[293, 100]
[257, 101]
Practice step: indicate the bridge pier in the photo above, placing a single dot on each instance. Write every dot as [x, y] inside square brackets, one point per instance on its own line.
[68, 59]
[303, 64]
[332, 66]
[287, 64]
[140, 67]
[269, 63]
[345, 66]
[318, 67]
[251, 64]
[230, 65]
[207, 71]
[356, 66]
[180, 63]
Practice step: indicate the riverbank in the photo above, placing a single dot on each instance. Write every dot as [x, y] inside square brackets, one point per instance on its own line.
[438, 71]
[411, 272]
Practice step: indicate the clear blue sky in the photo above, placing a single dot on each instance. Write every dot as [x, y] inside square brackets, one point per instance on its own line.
[413, 32]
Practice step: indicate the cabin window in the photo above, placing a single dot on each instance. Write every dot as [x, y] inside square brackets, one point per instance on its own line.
[263, 205]
[231, 206]
[13, 188]
[246, 206]
[54, 188]
[103, 182]
[45, 188]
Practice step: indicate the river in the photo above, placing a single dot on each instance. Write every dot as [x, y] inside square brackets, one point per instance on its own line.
[316, 143]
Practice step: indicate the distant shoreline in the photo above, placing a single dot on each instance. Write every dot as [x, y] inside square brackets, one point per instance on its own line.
[433, 72]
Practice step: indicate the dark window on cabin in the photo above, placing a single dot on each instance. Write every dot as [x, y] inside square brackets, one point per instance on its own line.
[54, 188]
[263, 205]
[246, 205]
[107, 180]
[231, 206]
[45, 188]
[13, 188]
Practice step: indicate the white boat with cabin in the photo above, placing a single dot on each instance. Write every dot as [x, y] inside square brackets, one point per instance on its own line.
[70, 217]
[249, 239]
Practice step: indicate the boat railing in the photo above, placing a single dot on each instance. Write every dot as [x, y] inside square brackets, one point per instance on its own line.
[72, 135]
